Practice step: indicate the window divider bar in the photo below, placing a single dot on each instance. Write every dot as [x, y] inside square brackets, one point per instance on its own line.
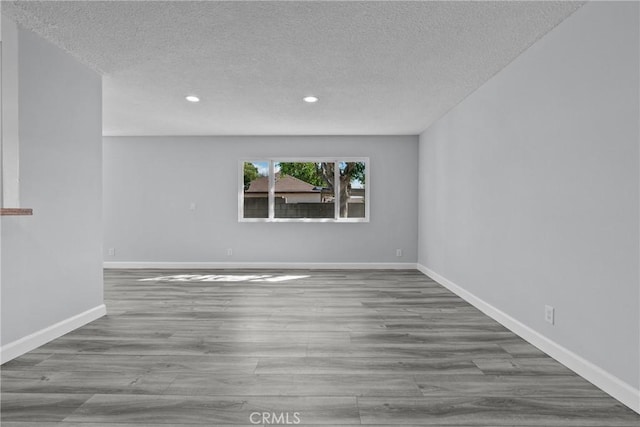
[272, 190]
[336, 190]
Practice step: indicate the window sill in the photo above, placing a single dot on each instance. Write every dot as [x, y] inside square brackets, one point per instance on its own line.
[325, 220]
[15, 211]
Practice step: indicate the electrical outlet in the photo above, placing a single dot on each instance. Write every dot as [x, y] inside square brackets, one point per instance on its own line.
[112, 252]
[229, 252]
[549, 314]
[398, 252]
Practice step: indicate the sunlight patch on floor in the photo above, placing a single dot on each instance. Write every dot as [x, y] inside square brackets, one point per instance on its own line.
[223, 278]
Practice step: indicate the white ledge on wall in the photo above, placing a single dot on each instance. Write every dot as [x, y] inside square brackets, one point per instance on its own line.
[602, 379]
[16, 211]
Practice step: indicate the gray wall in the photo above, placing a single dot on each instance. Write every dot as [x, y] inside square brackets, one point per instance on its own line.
[529, 188]
[150, 183]
[51, 262]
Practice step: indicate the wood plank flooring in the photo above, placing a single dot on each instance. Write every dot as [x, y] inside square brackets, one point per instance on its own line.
[336, 348]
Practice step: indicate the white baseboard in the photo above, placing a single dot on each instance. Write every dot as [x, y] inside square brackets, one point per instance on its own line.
[30, 342]
[602, 379]
[266, 265]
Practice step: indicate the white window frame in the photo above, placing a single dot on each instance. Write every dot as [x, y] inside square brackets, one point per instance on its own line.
[271, 195]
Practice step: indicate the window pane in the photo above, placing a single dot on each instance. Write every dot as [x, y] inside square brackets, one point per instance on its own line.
[316, 189]
[256, 189]
[301, 191]
[352, 189]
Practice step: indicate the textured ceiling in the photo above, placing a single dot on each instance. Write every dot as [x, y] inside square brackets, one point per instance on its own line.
[378, 67]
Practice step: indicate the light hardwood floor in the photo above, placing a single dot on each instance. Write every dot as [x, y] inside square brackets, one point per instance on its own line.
[336, 347]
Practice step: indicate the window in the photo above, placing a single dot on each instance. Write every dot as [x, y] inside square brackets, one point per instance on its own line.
[304, 190]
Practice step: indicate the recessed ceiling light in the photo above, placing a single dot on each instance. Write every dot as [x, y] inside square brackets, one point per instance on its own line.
[310, 99]
[192, 98]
